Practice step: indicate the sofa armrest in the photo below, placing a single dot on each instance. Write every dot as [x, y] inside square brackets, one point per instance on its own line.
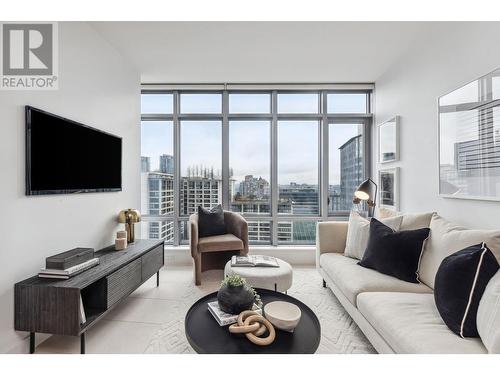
[193, 234]
[331, 237]
[238, 226]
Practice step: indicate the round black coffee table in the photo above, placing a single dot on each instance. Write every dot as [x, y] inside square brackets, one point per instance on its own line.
[206, 336]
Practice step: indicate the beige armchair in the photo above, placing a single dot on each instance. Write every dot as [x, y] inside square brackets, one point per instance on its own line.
[213, 252]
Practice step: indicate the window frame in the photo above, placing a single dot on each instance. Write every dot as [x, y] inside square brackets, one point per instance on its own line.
[324, 120]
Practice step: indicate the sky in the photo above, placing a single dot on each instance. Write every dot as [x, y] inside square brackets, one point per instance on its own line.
[249, 141]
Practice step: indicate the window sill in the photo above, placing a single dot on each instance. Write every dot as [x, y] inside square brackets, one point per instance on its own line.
[253, 248]
[293, 254]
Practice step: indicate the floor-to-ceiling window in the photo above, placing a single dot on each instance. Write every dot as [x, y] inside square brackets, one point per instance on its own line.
[283, 158]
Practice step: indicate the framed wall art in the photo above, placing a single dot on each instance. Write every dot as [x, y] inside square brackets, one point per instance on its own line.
[469, 140]
[388, 186]
[388, 140]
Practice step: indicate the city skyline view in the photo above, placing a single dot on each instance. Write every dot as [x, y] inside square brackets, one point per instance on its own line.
[249, 147]
[249, 152]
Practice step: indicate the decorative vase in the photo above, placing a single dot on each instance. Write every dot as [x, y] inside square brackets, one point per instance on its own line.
[235, 299]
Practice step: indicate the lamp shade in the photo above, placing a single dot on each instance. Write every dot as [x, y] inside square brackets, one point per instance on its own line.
[366, 191]
[129, 216]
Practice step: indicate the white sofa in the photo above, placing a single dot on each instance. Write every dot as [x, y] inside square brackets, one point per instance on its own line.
[396, 316]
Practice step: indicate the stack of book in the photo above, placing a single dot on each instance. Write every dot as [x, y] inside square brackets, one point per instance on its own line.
[68, 264]
[223, 318]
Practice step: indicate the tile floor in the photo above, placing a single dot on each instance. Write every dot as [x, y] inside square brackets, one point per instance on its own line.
[151, 320]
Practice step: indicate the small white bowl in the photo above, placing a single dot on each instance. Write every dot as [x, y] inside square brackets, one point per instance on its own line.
[282, 315]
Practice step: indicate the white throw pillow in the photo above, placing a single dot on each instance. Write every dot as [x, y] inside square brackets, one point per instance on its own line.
[384, 213]
[488, 316]
[411, 221]
[358, 233]
[416, 221]
[447, 238]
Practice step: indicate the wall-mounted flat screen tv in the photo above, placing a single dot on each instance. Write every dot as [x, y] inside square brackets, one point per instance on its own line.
[63, 156]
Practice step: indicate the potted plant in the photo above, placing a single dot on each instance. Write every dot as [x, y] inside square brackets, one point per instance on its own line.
[235, 295]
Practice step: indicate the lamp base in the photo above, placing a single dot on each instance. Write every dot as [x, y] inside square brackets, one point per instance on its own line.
[129, 227]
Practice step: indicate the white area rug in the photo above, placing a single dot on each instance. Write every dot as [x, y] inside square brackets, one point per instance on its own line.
[339, 333]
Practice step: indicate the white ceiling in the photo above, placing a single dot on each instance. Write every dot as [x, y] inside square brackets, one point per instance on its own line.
[261, 52]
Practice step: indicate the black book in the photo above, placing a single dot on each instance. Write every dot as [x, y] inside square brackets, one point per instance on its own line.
[69, 258]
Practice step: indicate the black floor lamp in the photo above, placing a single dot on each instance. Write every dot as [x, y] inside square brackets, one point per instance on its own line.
[366, 191]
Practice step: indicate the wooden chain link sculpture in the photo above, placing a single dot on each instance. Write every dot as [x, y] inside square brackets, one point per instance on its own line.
[253, 326]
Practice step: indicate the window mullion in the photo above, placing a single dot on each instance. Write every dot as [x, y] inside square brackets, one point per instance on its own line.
[225, 151]
[324, 158]
[177, 168]
[274, 169]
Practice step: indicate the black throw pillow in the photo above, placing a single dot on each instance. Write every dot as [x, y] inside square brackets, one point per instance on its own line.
[460, 283]
[211, 222]
[394, 253]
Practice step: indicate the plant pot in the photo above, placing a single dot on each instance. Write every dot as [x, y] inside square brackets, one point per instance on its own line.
[235, 299]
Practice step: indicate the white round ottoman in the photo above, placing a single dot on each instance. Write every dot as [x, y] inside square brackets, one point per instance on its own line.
[273, 278]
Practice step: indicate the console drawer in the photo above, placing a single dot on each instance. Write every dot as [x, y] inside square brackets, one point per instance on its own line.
[152, 262]
[122, 282]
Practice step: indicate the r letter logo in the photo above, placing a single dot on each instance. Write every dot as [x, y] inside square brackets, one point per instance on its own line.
[29, 56]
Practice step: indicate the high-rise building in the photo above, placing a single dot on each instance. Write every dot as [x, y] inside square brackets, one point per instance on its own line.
[254, 188]
[145, 164]
[259, 232]
[167, 164]
[477, 166]
[351, 170]
[334, 198]
[199, 191]
[251, 206]
[285, 232]
[303, 198]
[477, 154]
[158, 201]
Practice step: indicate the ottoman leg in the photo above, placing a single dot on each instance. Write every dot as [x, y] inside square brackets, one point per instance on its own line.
[324, 284]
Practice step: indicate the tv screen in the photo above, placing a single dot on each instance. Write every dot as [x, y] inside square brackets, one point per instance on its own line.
[63, 156]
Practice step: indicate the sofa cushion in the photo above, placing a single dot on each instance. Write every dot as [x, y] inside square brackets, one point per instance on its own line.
[447, 238]
[353, 279]
[358, 233]
[222, 242]
[410, 323]
[459, 285]
[488, 315]
[394, 253]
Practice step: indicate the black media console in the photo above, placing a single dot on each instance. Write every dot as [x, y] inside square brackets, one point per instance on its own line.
[53, 306]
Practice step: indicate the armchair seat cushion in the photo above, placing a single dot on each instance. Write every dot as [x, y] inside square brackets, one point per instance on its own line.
[221, 242]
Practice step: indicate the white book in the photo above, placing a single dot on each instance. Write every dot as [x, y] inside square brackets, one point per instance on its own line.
[224, 318]
[83, 318]
[253, 261]
[72, 270]
[50, 276]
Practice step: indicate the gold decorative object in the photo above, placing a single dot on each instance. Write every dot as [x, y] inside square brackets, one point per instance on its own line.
[254, 325]
[129, 217]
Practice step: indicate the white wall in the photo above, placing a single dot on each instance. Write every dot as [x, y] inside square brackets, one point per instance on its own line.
[450, 56]
[96, 87]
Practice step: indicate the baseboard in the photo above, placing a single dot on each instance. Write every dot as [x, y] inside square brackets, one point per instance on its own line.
[378, 342]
